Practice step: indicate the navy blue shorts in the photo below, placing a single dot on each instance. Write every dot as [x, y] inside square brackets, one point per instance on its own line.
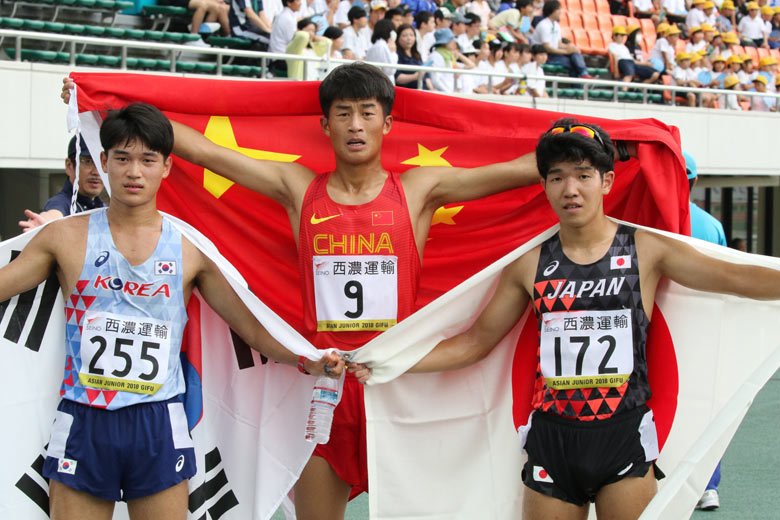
[121, 454]
[572, 460]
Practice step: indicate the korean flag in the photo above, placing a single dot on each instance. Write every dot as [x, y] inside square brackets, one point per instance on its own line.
[165, 267]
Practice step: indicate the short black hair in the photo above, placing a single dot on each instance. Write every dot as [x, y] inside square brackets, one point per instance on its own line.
[472, 18]
[333, 32]
[572, 147]
[304, 22]
[422, 17]
[356, 81]
[355, 12]
[550, 6]
[512, 46]
[523, 47]
[522, 3]
[137, 122]
[538, 48]
[393, 12]
[438, 15]
[382, 30]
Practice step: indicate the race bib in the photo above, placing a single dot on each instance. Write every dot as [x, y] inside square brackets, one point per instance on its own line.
[586, 349]
[355, 292]
[124, 353]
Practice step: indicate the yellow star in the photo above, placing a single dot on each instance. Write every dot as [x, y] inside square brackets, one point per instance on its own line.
[445, 215]
[427, 157]
[220, 131]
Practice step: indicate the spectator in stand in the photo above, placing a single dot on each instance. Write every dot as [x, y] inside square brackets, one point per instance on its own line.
[662, 53]
[716, 46]
[709, 33]
[336, 37]
[627, 67]
[253, 25]
[684, 76]
[762, 104]
[407, 15]
[445, 54]
[419, 6]
[459, 30]
[647, 9]
[383, 49]
[478, 84]
[734, 65]
[442, 18]
[725, 22]
[548, 33]
[696, 43]
[675, 10]
[376, 13]
[719, 72]
[536, 87]
[752, 29]
[704, 72]
[88, 197]
[424, 32]
[306, 42]
[767, 67]
[730, 40]
[634, 44]
[406, 44]
[482, 9]
[509, 65]
[283, 30]
[204, 11]
[748, 73]
[731, 100]
[340, 19]
[774, 33]
[396, 16]
[357, 37]
[710, 14]
[695, 15]
[517, 22]
[473, 27]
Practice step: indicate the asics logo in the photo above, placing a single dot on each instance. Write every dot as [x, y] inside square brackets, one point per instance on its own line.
[179, 463]
[101, 259]
[315, 220]
[550, 269]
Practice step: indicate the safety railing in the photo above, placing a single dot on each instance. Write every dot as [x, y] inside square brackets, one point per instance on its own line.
[175, 51]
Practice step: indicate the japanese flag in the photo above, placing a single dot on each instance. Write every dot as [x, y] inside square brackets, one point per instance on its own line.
[620, 262]
[541, 475]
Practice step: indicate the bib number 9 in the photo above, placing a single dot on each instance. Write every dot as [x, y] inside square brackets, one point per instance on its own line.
[354, 290]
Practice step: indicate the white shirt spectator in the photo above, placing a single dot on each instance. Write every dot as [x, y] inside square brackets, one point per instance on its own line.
[357, 42]
[283, 31]
[729, 102]
[537, 85]
[690, 48]
[680, 76]
[340, 16]
[674, 6]
[482, 9]
[619, 51]
[379, 52]
[424, 45]
[468, 82]
[751, 28]
[272, 9]
[548, 32]
[463, 41]
[662, 51]
[643, 5]
[695, 18]
[442, 81]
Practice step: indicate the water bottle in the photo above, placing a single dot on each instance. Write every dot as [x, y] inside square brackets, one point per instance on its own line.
[323, 402]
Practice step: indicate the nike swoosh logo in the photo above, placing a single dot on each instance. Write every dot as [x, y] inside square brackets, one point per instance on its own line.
[315, 220]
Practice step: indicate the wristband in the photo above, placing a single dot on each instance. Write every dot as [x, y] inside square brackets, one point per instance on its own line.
[302, 370]
[622, 151]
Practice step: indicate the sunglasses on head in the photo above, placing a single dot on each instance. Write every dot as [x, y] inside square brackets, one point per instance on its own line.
[578, 128]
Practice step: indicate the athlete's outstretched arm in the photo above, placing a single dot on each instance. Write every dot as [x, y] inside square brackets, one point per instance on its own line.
[278, 181]
[220, 296]
[685, 265]
[505, 308]
[33, 265]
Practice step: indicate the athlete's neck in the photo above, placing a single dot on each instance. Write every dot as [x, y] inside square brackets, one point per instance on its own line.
[352, 184]
[586, 244]
[122, 217]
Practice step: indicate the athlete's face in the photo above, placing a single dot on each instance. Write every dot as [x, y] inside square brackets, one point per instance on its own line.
[134, 172]
[576, 191]
[356, 128]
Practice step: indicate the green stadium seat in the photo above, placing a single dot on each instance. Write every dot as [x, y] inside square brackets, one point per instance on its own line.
[94, 30]
[206, 68]
[156, 36]
[54, 27]
[165, 10]
[115, 32]
[75, 28]
[554, 69]
[32, 25]
[171, 37]
[189, 37]
[599, 72]
[85, 3]
[135, 34]
[86, 59]
[185, 66]
[109, 61]
[121, 4]
[230, 42]
[11, 23]
[163, 65]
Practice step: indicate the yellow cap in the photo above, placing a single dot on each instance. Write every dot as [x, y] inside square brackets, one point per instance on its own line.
[745, 57]
[777, 9]
[619, 29]
[698, 2]
[662, 28]
[715, 34]
[760, 79]
[767, 61]
[631, 28]
[734, 59]
[694, 29]
[767, 9]
[695, 57]
[707, 27]
[777, 81]
[727, 4]
[730, 37]
[718, 58]
[683, 56]
[702, 52]
[751, 5]
[708, 5]
[673, 30]
[730, 81]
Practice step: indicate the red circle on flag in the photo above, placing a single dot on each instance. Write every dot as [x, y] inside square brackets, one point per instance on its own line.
[620, 261]
[542, 473]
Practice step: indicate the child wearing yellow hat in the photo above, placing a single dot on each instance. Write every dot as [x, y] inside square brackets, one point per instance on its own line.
[696, 15]
[628, 67]
[662, 53]
[761, 103]
[696, 42]
[726, 21]
[731, 100]
[774, 28]
[767, 67]
[683, 75]
[748, 73]
[752, 28]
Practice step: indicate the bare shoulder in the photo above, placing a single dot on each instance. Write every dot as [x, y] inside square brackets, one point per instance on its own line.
[523, 270]
[64, 234]
[193, 260]
[652, 246]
